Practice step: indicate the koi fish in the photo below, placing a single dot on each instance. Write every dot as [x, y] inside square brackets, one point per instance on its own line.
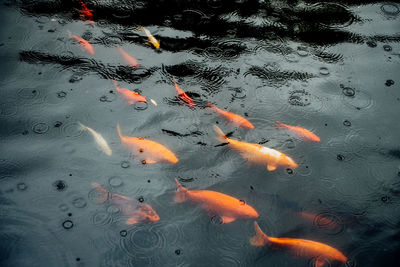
[257, 154]
[215, 203]
[146, 150]
[128, 59]
[137, 211]
[153, 101]
[86, 13]
[151, 38]
[130, 96]
[85, 45]
[302, 133]
[236, 120]
[183, 96]
[101, 142]
[300, 247]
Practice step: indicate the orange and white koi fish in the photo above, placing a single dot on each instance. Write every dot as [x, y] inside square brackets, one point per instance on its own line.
[136, 211]
[236, 120]
[215, 203]
[151, 38]
[300, 247]
[255, 153]
[128, 59]
[101, 142]
[130, 96]
[85, 45]
[302, 133]
[147, 151]
[86, 13]
[183, 96]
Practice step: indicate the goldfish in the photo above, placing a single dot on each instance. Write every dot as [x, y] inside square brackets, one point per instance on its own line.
[299, 131]
[86, 13]
[151, 38]
[98, 138]
[183, 96]
[300, 247]
[146, 150]
[86, 46]
[236, 120]
[228, 208]
[135, 210]
[128, 59]
[130, 96]
[257, 154]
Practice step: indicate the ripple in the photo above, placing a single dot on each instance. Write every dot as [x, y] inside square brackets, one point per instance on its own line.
[329, 222]
[71, 130]
[40, 128]
[9, 168]
[357, 99]
[101, 218]
[8, 109]
[362, 254]
[115, 181]
[29, 93]
[324, 71]
[79, 202]
[390, 9]
[55, 98]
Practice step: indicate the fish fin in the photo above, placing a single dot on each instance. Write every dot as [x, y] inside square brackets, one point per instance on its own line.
[180, 194]
[132, 220]
[319, 262]
[119, 131]
[260, 239]
[279, 125]
[226, 219]
[271, 167]
[103, 193]
[221, 136]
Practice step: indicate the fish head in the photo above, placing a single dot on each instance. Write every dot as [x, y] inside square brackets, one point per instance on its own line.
[248, 211]
[290, 163]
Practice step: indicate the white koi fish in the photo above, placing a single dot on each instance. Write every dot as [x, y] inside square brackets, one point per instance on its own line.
[101, 142]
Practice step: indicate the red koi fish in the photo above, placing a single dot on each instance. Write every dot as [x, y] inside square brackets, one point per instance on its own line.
[299, 247]
[215, 203]
[257, 154]
[128, 59]
[302, 133]
[135, 210]
[146, 150]
[183, 96]
[130, 96]
[236, 120]
[85, 45]
[86, 13]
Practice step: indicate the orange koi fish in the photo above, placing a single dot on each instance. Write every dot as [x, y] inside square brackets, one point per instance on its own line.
[257, 154]
[183, 96]
[137, 211]
[85, 45]
[300, 132]
[215, 203]
[147, 151]
[130, 96]
[300, 247]
[86, 13]
[151, 38]
[236, 120]
[128, 59]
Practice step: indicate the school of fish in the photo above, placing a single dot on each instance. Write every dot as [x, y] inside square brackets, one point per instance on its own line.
[226, 207]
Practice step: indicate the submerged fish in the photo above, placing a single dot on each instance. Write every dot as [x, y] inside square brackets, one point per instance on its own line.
[147, 151]
[236, 120]
[215, 203]
[255, 153]
[85, 45]
[136, 210]
[183, 96]
[151, 38]
[130, 96]
[100, 141]
[319, 220]
[86, 13]
[299, 247]
[302, 133]
[128, 59]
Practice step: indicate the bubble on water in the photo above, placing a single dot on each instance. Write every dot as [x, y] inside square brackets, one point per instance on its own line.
[346, 123]
[289, 171]
[390, 9]
[79, 202]
[123, 233]
[238, 92]
[340, 157]
[8, 109]
[125, 164]
[22, 186]
[40, 128]
[389, 83]
[60, 185]
[348, 91]
[178, 252]
[302, 51]
[68, 224]
[216, 220]
[75, 78]
[115, 181]
[140, 105]
[324, 71]
[387, 48]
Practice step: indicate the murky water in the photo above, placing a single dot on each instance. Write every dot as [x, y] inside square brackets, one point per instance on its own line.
[330, 67]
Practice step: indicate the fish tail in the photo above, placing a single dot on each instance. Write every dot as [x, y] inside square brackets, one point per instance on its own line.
[180, 194]
[260, 239]
[221, 136]
[119, 131]
[103, 193]
[279, 125]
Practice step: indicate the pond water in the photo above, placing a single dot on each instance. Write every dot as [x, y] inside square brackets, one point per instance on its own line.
[66, 197]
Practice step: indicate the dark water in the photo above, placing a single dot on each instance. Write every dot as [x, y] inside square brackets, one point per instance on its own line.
[331, 67]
